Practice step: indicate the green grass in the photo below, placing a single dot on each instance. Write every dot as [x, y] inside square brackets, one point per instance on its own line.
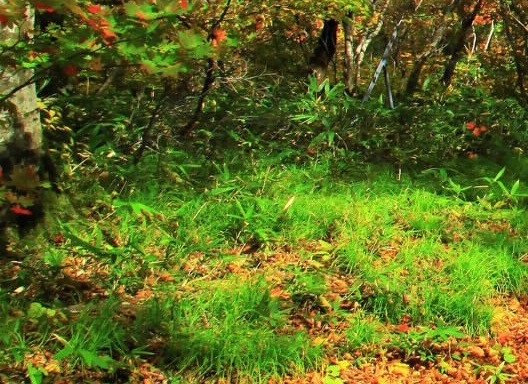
[199, 264]
[233, 328]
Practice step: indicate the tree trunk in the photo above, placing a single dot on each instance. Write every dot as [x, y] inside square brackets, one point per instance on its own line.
[430, 49]
[20, 140]
[325, 50]
[348, 27]
[517, 34]
[458, 49]
[20, 128]
[368, 36]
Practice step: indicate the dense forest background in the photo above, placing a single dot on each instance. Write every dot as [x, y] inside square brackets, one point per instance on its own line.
[135, 78]
[140, 140]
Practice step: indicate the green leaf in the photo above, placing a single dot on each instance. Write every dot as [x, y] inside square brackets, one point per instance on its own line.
[333, 370]
[93, 360]
[37, 310]
[137, 207]
[500, 174]
[333, 380]
[508, 356]
[65, 353]
[77, 241]
[515, 187]
[36, 375]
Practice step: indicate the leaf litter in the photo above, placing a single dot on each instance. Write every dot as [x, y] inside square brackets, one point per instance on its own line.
[321, 307]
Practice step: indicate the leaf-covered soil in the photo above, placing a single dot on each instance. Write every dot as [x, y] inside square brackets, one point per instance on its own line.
[500, 357]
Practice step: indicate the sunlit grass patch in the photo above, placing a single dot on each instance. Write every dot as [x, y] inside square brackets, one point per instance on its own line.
[229, 328]
[364, 332]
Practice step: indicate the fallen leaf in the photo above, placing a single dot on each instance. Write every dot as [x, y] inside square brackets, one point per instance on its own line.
[477, 352]
[400, 369]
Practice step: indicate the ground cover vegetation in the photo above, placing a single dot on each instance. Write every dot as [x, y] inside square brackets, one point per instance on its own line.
[226, 192]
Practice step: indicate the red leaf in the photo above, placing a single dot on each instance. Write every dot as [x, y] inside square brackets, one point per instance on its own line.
[95, 9]
[184, 4]
[41, 7]
[18, 210]
[71, 70]
[403, 328]
[108, 36]
[59, 239]
[3, 20]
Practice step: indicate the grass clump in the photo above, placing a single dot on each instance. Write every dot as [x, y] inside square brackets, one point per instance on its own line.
[232, 328]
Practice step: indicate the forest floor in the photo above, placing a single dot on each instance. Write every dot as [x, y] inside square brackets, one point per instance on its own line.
[285, 277]
[499, 357]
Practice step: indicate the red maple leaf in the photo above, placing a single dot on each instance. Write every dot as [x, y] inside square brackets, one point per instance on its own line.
[59, 239]
[218, 36]
[18, 210]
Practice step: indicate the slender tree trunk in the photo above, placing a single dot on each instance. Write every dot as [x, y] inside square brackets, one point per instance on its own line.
[348, 27]
[458, 50]
[430, 49]
[517, 35]
[325, 50]
[367, 38]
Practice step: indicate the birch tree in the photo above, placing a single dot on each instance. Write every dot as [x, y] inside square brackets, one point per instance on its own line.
[20, 129]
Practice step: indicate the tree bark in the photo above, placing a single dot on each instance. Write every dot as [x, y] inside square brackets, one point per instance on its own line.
[517, 35]
[20, 128]
[348, 27]
[367, 38]
[430, 49]
[458, 49]
[325, 50]
[20, 138]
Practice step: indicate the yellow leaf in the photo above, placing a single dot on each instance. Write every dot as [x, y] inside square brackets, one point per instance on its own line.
[52, 367]
[325, 303]
[318, 341]
[400, 369]
[343, 364]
